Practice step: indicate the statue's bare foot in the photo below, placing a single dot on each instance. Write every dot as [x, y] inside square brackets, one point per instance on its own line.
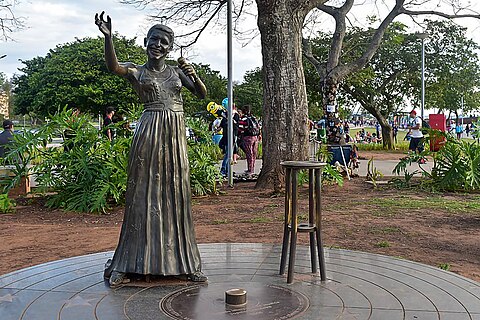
[117, 278]
[198, 276]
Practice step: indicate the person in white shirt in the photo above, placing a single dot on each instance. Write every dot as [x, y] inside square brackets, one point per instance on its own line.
[415, 126]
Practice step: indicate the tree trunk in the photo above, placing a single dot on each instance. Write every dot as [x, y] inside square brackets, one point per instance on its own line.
[387, 135]
[330, 88]
[387, 132]
[285, 132]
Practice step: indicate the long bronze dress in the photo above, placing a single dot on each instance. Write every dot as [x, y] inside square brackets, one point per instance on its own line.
[157, 235]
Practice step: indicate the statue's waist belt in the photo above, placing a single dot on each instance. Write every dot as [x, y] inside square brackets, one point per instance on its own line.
[160, 106]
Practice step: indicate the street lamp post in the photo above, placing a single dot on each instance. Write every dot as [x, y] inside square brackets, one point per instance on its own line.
[423, 36]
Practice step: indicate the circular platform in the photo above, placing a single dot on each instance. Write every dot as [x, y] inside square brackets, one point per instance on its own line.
[359, 286]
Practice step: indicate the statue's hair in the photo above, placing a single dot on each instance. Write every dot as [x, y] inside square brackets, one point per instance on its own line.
[162, 28]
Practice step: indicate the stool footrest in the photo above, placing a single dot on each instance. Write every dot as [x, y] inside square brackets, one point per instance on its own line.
[304, 227]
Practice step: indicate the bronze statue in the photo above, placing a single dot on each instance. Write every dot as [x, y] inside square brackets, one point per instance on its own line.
[157, 236]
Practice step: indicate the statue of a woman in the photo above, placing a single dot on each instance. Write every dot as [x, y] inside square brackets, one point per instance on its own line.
[157, 236]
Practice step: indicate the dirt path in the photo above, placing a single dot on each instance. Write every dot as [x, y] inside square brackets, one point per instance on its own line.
[352, 220]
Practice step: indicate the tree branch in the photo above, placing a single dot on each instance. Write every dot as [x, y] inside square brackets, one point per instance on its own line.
[307, 52]
[8, 21]
[388, 80]
[375, 42]
[339, 34]
[438, 13]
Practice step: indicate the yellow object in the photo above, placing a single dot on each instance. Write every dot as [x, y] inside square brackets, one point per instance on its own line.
[216, 109]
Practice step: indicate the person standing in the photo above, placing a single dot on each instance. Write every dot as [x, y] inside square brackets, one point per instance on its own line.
[157, 236]
[377, 129]
[107, 121]
[459, 130]
[467, 129]
[224, 141]
[395, 132]
[415, 126]
[6, 137]
[250, 134]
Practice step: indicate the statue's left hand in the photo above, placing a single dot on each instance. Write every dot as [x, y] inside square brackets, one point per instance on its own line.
[187, 68]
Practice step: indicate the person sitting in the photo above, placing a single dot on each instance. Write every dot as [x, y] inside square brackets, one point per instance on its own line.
[6, 137]
[358, 137]
[368, 137]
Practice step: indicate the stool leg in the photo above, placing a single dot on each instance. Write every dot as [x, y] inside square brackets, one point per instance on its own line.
[311, 219]
[286, 230]
[318, 222]
[294, 228]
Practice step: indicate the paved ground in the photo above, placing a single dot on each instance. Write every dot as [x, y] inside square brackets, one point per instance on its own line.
[384, 166]
[359, 286]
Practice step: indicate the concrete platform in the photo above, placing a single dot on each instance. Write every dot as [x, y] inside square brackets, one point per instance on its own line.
[360, 286]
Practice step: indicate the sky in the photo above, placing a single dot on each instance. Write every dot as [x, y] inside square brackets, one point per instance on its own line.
[53, 22]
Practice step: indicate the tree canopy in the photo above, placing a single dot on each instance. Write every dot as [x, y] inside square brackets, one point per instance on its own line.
[391, 79]
[250, 91]
[452, 68]
[75, 75]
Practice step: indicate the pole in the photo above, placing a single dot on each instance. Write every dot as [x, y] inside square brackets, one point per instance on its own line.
[423, 78]
[230, 92]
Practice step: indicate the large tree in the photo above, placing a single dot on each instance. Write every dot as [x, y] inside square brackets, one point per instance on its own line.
[386, 82]
[280, 23]
[392, 76]
[75, 75]
[332, 67]
[453, 68]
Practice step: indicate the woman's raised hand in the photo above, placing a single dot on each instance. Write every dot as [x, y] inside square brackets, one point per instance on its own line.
[104, 26]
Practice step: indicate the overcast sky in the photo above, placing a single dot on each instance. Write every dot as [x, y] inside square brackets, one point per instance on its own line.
[52, 22]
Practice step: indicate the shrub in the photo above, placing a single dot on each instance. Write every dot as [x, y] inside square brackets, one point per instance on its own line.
[7, 205]
[203, 157]
[456, 167]
[89, 173]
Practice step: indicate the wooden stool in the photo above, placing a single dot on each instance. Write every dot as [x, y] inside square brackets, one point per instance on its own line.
[291, 225]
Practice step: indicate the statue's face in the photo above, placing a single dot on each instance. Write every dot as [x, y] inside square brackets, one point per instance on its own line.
[158, 44]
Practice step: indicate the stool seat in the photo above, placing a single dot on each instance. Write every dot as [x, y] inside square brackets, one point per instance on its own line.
[303, 164]
[313, 226]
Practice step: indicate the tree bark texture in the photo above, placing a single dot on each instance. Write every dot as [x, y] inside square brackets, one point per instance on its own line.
[387, 136]
[285, 113]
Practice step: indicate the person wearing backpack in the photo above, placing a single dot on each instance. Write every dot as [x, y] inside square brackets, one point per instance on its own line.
[415, 126]
[250, 132]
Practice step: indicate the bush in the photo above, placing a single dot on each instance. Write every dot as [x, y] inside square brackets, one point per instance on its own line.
[203, 156]
[456, 166]
[89, 173]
